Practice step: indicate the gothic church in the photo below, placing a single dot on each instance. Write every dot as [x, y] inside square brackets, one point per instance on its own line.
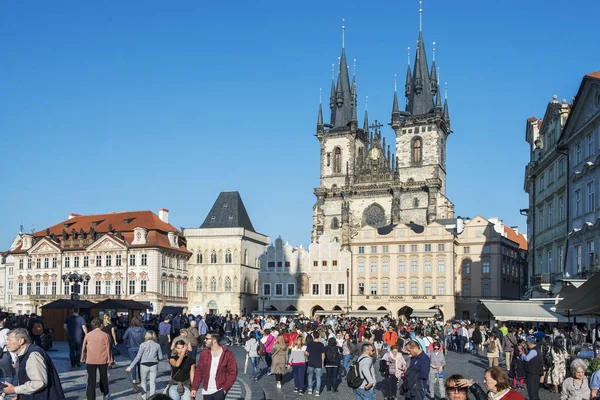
[361, 181]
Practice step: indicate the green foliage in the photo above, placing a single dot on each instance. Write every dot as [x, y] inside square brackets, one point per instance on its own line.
[594, 365]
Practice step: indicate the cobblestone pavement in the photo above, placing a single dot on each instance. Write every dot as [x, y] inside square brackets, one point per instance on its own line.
[468, 365]
[74, 380]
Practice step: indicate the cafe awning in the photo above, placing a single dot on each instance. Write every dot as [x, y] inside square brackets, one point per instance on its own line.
[423, 313]
[368, 313]
[329, 312]
[521, 311]
[582, 301]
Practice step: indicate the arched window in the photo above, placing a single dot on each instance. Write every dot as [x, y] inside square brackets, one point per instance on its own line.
[335, 223]
[255, 286]
[246, 285]
[415, 202]
[246, 257]
[199, 258]
[198, 285]
[213, 257]
[213, 284]
[417, 150]
[228, 256]
[227, 284]
[337, 160]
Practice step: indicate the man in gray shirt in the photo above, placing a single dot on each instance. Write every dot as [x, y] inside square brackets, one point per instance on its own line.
[366, 391]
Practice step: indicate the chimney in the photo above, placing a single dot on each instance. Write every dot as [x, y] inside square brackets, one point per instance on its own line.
[515, 228]
[73, 215]
[163, 214]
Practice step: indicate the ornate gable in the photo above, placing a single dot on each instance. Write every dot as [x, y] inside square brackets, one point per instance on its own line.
[44, 246]
[107, 242]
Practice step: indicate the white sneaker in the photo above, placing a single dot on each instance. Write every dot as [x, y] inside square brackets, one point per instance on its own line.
[316, 394]
[309, 391]
[278, 385]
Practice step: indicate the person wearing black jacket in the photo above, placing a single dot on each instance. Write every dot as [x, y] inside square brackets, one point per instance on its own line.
[333, 356]
[534, 368]
[415, 378]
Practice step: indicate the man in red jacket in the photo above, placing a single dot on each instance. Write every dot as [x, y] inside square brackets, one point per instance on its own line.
[216, 370]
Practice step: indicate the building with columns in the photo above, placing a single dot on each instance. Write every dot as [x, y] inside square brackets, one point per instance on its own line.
[307, 281]
[224, 266]
[132, 255]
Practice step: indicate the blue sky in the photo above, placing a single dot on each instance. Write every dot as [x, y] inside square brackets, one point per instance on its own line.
[135, 105]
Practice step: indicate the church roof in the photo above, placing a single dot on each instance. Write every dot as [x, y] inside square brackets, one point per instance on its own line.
[228, 212]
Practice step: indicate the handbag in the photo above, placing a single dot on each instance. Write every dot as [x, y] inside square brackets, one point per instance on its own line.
[172, 379]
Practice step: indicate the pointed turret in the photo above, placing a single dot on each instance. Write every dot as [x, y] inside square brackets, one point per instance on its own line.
[433, 79]
[354, 116]
[366, 123]
[446, 113]
[395, 112]
[320, 124]
[420, 98]
[408, 85]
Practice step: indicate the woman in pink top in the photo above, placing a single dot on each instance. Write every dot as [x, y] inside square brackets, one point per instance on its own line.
[96, 353]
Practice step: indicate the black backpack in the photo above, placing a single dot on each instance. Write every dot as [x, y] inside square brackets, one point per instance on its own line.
[384, 368]
[332, 357]
[353, 377]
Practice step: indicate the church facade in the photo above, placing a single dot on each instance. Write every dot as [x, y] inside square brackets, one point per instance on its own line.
[365, 181]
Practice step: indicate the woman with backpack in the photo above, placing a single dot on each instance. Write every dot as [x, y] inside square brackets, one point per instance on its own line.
[252, 347]
[279, 359]
[333, 356]
[493, 349]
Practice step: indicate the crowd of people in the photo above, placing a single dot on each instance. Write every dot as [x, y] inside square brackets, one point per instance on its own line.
[401, 358]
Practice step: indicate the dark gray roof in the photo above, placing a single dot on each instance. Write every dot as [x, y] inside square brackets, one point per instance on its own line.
[420, 97]
[228, 212]
[341, 116]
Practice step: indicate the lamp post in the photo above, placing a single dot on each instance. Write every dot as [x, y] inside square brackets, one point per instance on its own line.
[263, 298]
[75, 279]
[347, 290]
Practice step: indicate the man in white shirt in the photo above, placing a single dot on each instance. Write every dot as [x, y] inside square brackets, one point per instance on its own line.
[216, 370]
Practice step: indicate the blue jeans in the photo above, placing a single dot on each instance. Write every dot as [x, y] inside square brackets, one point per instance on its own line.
[175, 396]
[318, 372]
[299, 373]
[132, 353]
[362, 394]
[347, 359]
[75, 345]
[254, 362]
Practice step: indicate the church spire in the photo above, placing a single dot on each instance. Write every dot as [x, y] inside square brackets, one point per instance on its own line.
[420, 98]
[320, 124]
[395, 108]
[446, 113]
[342, 113]
[366, 121]
[433, 75]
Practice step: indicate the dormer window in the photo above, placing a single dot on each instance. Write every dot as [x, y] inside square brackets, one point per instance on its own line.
[173, 239]
[27, 242]
[140, 235]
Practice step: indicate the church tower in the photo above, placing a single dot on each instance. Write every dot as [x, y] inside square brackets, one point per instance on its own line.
[421, 133]
[341, 141]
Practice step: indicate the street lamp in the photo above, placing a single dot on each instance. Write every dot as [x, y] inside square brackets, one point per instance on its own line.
[75, 279]
[263, 298]
[347, 290]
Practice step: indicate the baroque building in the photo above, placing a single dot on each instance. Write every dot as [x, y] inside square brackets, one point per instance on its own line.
[545, 183]
[136, 255]
[366, 182]
[307, 281]
[581, 138]
[224, 264]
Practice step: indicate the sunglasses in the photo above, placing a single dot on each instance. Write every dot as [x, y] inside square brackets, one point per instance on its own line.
[456, 389]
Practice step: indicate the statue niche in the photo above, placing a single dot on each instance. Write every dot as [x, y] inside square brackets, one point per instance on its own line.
[374, 216]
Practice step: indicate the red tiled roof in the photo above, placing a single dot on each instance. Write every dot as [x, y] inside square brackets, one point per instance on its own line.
[518, 238]
[123, 222]
[531, 119]
[594, 75]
